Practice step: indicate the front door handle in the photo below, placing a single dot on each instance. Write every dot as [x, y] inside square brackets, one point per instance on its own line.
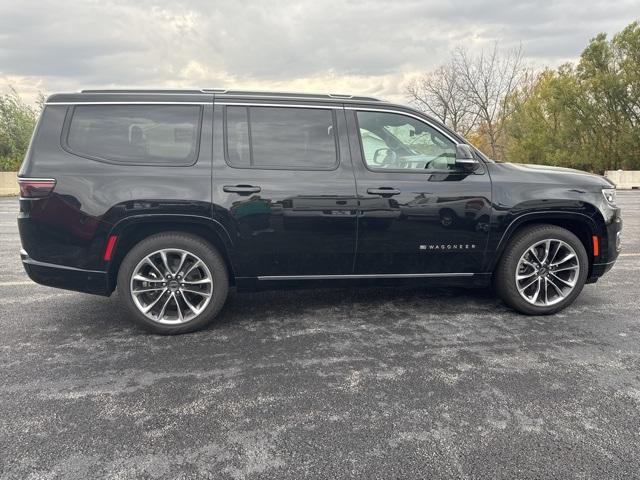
[241, 189]
[384, 191]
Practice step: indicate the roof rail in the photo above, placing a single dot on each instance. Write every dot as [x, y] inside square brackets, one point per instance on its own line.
[141, 90]
[248, 93]
[213, 90]
[238, 93]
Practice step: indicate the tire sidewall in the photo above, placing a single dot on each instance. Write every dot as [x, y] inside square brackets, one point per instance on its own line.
[199, 247]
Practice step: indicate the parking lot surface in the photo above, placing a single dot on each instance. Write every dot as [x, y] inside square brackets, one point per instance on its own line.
[372, 383]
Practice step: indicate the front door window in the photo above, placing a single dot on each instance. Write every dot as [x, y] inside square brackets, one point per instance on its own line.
[399, 142]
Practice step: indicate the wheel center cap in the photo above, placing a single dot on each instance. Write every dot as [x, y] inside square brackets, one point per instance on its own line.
[543, 271]
[173, 285]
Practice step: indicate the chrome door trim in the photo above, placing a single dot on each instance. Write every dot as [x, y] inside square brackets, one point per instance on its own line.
[363, 276]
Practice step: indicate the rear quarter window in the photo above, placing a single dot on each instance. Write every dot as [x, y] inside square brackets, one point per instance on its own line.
[135, 134]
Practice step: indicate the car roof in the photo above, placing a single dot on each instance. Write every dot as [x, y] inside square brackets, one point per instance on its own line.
[204, 95]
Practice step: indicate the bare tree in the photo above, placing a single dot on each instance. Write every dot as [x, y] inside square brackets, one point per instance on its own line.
[439, 93]
[473, 94]
[489, 81]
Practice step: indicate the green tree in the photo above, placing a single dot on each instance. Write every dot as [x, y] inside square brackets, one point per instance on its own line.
[585, 116]
[17, 120]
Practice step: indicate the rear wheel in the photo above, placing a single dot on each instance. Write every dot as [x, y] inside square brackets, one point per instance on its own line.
[542, 270]
[173, 283]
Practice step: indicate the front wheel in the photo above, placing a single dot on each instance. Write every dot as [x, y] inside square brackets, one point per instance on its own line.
[173, 283]
[542, 270]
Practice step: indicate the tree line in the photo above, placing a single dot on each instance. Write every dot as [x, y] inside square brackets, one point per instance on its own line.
[584, 115]
[17, 121]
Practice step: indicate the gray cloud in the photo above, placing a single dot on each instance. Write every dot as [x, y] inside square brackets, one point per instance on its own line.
[370, 46]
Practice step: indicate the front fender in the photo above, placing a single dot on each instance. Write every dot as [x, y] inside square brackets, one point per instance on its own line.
[501, 234]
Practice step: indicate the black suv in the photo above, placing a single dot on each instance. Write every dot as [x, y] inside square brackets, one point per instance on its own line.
[172, 197]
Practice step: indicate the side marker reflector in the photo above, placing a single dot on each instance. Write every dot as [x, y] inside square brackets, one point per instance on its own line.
[596, 246]
[108, 251]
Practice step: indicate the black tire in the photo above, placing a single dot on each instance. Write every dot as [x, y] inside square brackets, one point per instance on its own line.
[197, 246]
[504, 275]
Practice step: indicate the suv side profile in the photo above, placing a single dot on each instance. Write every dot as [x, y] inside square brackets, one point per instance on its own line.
[173, 197]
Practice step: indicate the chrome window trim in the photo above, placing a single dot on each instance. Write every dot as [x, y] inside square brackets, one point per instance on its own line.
[128, 103]
[363, 276]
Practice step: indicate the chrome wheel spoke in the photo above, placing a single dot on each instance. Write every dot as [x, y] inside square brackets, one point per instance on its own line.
[533, 252]
[547, 249]
[170, 298]
[554, 252]
[142, 278]
[196, 264]
[535, 296]
[149, 262]
[197, 292]
[530, 283]
[165, 262]
[572, 267]
[153, 303]
[525, 276]
[564, 260]
[188, 303]
[556, 288]
[202, 281]
[182, 259]
[556, 277]
[546, 291]
[178, 309]
[146, 290]
[164, 307]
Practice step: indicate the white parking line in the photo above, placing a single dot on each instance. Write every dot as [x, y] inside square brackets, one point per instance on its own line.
[629, 255]
[15, 284]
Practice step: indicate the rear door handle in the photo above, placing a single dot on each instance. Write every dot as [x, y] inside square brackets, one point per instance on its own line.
[241, 189]
[384, 191]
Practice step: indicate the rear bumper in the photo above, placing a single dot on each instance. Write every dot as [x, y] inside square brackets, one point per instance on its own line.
[68, 278]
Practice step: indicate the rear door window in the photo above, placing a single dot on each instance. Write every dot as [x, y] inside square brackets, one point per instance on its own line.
[281, 137]
[136, 134]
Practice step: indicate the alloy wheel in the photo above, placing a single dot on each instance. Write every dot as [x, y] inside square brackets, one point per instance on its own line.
[547, 272]
[171, 286]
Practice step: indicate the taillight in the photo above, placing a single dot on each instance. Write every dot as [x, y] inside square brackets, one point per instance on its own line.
[36, 187]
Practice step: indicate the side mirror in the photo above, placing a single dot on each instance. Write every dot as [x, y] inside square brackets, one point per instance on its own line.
[465, 158]
[384, 155]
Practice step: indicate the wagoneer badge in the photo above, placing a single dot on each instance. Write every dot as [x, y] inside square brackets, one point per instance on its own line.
[448, 246]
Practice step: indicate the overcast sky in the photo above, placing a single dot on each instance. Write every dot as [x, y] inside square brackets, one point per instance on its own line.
[363, 47]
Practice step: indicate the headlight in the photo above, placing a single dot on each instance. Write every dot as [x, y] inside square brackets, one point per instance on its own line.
[610, 196]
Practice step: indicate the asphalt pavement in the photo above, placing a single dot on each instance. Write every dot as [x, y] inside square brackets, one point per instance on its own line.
[373, 383]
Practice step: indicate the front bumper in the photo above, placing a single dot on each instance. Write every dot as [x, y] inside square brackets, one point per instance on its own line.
[68, 278]
[610, 244]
